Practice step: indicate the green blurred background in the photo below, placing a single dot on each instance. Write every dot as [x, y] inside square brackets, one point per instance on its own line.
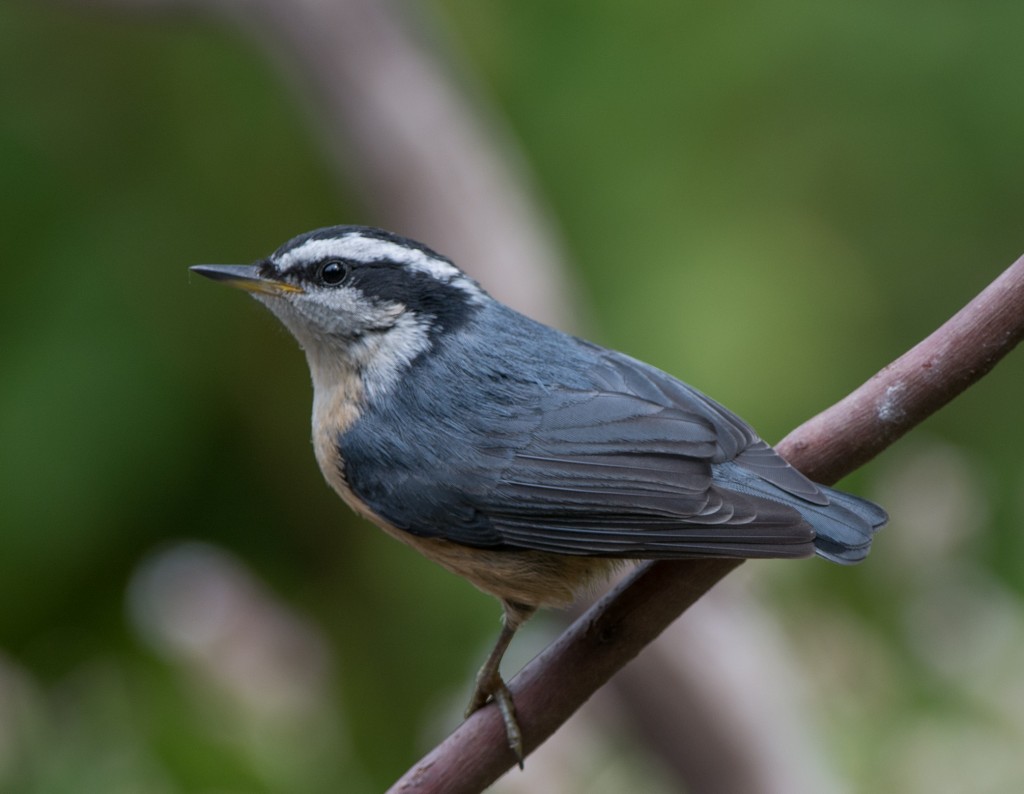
[769, 200]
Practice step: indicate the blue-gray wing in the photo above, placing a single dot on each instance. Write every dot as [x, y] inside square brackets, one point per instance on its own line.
[647, 466]
[628, 469]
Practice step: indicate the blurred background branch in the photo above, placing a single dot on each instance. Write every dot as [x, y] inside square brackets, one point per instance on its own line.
[426, 152]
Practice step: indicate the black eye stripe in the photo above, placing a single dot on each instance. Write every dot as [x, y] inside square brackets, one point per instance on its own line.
[420, 293]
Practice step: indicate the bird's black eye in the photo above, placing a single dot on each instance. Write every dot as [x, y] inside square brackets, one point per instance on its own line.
[333, 272]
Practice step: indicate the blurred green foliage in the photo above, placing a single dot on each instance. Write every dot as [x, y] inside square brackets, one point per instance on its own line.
[770, 200]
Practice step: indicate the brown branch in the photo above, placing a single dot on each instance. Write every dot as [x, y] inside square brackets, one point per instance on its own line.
[834, 443]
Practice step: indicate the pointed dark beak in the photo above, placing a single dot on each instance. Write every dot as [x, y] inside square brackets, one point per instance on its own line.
[245, 277]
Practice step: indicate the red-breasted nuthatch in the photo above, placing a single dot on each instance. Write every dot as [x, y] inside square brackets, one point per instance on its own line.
[517, 456]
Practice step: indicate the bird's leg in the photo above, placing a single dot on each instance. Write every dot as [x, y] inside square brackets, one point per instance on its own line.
[489, 683]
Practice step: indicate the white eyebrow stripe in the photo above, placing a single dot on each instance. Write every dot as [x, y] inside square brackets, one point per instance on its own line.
[358, 248]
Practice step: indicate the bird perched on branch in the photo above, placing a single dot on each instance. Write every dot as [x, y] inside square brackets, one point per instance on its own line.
[526, 460]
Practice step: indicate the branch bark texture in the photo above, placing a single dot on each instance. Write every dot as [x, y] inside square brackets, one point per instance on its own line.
[834, 443]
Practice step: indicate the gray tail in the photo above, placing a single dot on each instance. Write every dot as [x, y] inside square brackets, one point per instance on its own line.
[844, 527]
[843, 524]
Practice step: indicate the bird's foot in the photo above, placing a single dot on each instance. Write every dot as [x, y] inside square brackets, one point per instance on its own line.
[490, 686]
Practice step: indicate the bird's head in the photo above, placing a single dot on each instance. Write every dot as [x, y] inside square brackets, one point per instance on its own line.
[358, 299]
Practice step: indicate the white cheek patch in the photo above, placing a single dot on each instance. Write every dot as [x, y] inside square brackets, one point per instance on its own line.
[318, 312]
[339, 328]
[340, 302]
[387, 355]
